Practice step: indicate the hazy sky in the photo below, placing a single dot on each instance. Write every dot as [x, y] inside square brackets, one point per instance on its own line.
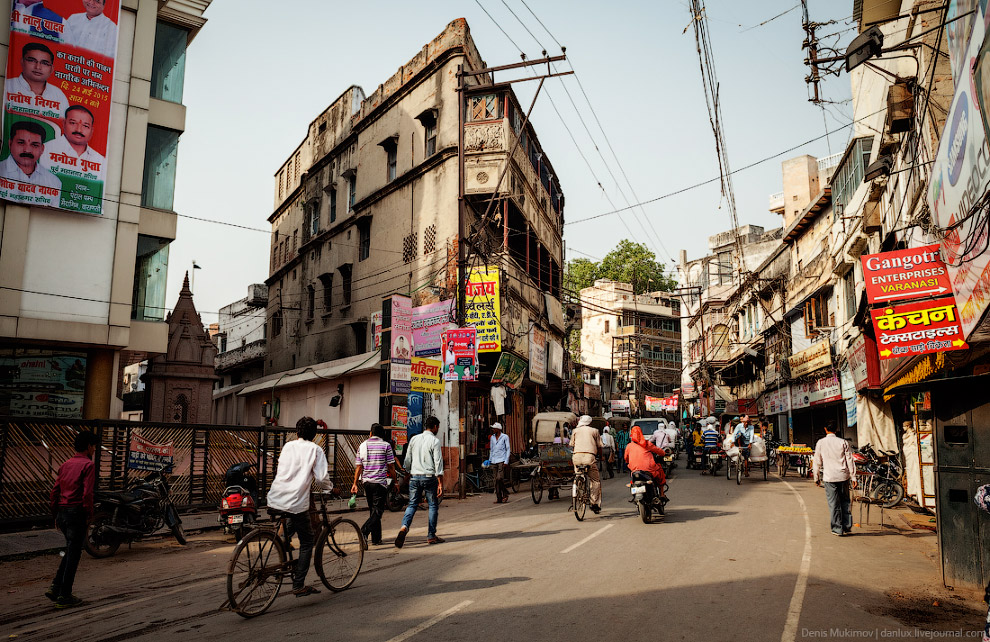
[259, 72]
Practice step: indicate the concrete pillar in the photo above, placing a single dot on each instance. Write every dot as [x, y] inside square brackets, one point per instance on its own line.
[101, 376]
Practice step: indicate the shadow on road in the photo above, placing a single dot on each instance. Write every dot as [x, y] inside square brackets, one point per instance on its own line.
[503, 535]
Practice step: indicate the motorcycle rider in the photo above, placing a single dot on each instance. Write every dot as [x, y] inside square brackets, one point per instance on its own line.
[300, 463]
[639, 458]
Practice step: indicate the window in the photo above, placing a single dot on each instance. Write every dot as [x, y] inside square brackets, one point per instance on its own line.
[391, 147]
[310, 301]
[314, 217]
[351, 191]
[158, 187]
[485, 107]
[277, 323]
[849, 176]
[606, 325]
[332, 192]
[150, 270]
[169, 63]
[431, 136]
[850, 291]
[345, 283]
[815, 315]
[326, 280]
[364, 239]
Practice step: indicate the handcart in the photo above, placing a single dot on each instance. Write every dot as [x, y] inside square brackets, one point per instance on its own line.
[554, 469]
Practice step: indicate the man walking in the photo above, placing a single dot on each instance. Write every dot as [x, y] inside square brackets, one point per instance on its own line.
[608, 450]
[587, 445]
[621, 441]
[374, 466]
[835, 467]
[72, 504]
[498, 457]
[300, 463]
[424, 459]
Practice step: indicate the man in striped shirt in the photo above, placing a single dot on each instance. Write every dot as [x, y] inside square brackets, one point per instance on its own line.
[374, 466]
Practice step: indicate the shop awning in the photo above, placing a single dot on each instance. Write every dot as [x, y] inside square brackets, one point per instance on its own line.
[359, 364]
[931, 384]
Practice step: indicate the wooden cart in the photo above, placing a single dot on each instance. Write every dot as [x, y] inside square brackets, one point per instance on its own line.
[554, 469]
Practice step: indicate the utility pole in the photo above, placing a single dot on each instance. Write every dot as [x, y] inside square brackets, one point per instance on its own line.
[462, 210]
[811, 44]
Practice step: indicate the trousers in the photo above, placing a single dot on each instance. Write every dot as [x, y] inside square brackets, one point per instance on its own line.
[839, 506]
[71, 520]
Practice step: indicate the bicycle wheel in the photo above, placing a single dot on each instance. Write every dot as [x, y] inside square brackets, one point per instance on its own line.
[536, 488]
[728, 468]
[581, 498]
[255, 573]
[339, 554]
[739, 472]
[486, 480]
[513, 481]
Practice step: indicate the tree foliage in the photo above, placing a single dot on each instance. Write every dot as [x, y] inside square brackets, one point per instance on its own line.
[629, 262]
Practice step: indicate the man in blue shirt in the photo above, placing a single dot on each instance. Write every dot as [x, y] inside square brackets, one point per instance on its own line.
[498, 458]
[743, 435]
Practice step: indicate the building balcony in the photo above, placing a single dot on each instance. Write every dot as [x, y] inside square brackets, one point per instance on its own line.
[777, 203]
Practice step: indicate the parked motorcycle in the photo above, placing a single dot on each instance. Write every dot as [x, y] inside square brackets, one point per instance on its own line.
[239, 502]
[647, 496]
[398, 492]
[132, 514]
[886, 470]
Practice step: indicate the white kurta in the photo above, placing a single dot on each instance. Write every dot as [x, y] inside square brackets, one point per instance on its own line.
[56, 149]
[97, 34]
[18, 85]
[40, 176]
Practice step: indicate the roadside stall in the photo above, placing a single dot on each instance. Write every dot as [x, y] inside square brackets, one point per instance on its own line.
[795, 457]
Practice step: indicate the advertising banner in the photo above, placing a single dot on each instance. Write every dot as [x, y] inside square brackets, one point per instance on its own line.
[42, 383]
[460, 356]
[400, 417]
[425, 375]
[482, 308]
[556, 363]
[960, 171]
[654, 404]
[916, 273]
[429, 322]
[824, 389]
[918, 328]
[376, 329]
[537, 355]
[814, 358]
[57, 103]
[143, 454]
[619, 405]
[849, 396]
[414, 424]
[400, 357]
[509, 370]
[776, 402]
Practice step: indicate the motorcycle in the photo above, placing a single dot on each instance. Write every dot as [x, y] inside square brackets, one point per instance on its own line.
[398, 492]
[714, 458]
[132, 514]
[886, 470]
[646, 495]
[239, 502]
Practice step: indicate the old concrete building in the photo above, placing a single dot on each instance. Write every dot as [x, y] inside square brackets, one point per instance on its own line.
[367, 206]
[101, 304]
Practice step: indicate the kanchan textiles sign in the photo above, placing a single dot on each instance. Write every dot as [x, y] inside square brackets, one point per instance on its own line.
[57, 100]
[905, 274]
[482, 307]
[918, 328]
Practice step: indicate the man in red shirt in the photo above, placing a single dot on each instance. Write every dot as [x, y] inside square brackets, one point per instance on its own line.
[72, 504]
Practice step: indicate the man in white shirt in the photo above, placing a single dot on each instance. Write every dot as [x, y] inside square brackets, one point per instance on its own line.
[72, 147]
[300, 463]
[660, 438]
[498, 458]
[91, 29]
[834, 465]
[424, 459]
[27, 145]
[30, 93]
[608, 449]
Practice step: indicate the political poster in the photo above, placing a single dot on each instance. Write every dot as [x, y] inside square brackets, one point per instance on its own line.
[482, 307]
[400, 417]
[143, 454]
[460, 355]
[429, 322]
[918, 328]
[57, 103]
[537, 355]
[401, 353]
[509, 370]
[426, 375]
[376, 329]
[654, 404]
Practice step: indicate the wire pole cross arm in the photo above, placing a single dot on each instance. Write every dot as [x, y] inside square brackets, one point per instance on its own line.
[515, 65]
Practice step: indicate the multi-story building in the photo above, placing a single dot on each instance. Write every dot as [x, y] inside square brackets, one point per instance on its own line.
[634, 337]
[368, 206]
[83, 295]
[242, 348]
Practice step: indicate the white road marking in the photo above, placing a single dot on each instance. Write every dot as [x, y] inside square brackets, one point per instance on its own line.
[797, 599]
[587, 539]
[427, 624]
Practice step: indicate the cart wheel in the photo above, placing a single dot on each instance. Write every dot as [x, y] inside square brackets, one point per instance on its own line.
[513, 480]
[782, 466]
[728, 469]
[536, 488]
[739, 472]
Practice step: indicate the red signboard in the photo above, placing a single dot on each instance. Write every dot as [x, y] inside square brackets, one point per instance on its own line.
[916, 273]
[918, 328]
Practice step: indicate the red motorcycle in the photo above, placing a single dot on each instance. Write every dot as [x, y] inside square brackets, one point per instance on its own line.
[239, 503]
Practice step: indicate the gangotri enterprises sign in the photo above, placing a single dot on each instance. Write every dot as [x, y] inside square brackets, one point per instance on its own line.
[914, 273]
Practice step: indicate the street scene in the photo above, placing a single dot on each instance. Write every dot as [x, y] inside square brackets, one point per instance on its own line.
[495, 319]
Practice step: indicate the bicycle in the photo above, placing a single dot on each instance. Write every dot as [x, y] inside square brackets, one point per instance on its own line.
[581, 495]
[263, 558]
[480, 481]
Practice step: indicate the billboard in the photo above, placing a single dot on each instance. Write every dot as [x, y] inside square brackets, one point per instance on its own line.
[426, 375]
[429, 321]
[42, 383]
[918, 328]
[400, 356]
[482, 308]
[57, 103]
[814, 358]
[537, 355]
[509, 370]
[914, 273]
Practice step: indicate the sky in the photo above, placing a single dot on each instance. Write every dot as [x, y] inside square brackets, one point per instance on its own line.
[256, 77]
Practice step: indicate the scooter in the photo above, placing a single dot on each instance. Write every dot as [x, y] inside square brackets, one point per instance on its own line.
[648, 497]
[239, 503]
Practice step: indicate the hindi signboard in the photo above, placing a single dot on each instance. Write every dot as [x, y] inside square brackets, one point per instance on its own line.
[814, 358]
[143, 454]
[57, 103]
[555, 365]
[653, 404]
[482, 308]
[460, 355]
[401, 354]
[425, 375]
[619, 405]
[818, 391]
[429, 322]
[509, 370]
[918, 328]
[776, 402]
[900, 275]
[537, 355]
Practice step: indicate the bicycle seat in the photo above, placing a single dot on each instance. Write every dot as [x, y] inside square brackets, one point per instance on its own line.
[278, 514]
[583, 468]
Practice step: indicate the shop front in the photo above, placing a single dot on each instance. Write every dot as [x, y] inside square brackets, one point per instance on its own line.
[815, 402]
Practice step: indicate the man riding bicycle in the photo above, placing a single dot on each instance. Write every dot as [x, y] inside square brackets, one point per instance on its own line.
[300, 463]
[743, 437]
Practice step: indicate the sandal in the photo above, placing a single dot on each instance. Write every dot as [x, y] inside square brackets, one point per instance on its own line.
[306, 590]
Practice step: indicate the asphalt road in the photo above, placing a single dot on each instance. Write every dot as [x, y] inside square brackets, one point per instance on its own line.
[728, 562]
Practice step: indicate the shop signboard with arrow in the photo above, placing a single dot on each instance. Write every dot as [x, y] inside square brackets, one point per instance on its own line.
[901, 275]
[918, 328]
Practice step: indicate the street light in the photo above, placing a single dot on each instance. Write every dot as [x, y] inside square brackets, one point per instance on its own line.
[863, 47]
[878, 168]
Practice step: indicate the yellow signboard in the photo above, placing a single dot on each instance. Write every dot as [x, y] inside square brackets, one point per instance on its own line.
[426, 375]
[482, 308]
